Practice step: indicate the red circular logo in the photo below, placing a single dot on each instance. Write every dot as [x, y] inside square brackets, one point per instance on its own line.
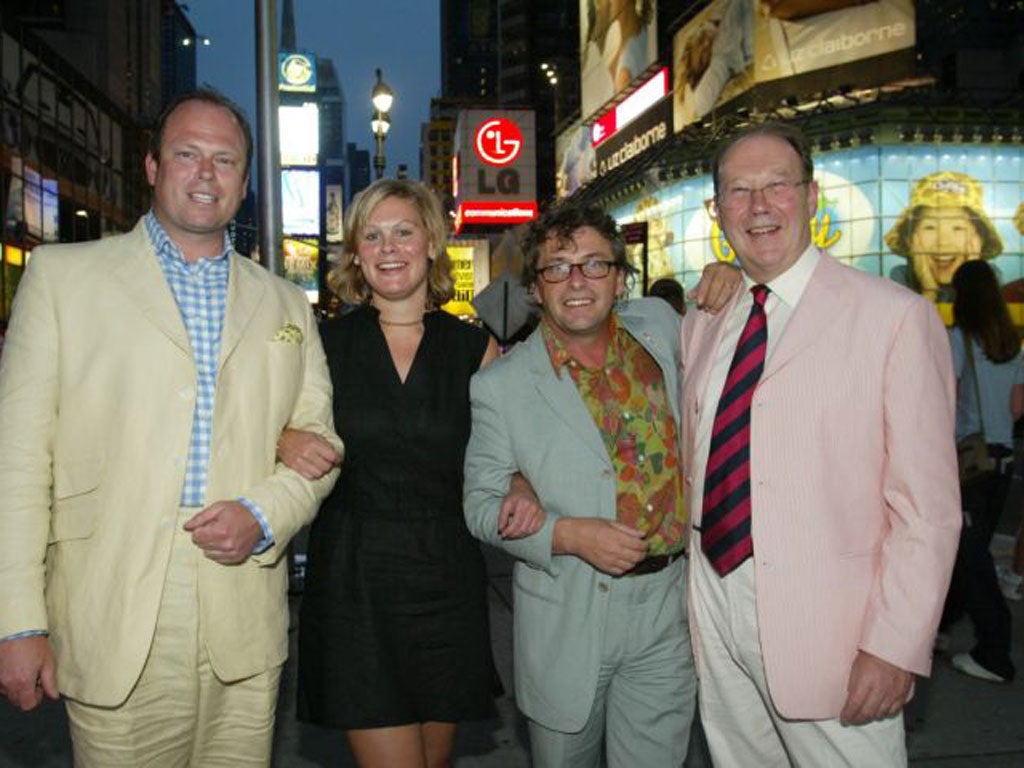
[498, 141]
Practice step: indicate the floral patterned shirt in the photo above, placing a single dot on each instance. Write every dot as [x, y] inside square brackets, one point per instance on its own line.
[626, 398]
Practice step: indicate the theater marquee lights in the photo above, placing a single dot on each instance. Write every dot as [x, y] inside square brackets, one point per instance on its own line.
[494, 169]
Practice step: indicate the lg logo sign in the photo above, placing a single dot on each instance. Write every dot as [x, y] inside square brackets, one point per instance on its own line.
[498, 141]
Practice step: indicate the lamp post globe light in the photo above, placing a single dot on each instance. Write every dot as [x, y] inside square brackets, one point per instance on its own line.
[382, 98]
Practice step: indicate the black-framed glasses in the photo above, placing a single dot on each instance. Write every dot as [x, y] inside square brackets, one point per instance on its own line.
[737, 196]
[592, 269]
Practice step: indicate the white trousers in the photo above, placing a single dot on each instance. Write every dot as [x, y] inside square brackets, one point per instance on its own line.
[743, 727]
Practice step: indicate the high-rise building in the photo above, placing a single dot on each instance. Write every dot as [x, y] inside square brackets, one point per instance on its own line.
[81, 86]
[177, 52]
[469, 51]
[539, 70]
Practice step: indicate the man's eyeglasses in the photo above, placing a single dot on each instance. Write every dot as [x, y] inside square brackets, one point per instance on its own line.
[592, 269]
[738, 196]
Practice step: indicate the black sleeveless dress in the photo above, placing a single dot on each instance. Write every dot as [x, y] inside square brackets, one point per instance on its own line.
[393, 626]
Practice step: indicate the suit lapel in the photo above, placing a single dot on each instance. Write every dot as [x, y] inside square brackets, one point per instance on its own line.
[702, 350]
[146, 284]
[562, 396]
[822, 302]
[245, 293]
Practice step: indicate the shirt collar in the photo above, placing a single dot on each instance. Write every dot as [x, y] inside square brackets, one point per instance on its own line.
[790, 285]
[561, 357]
[166, 248]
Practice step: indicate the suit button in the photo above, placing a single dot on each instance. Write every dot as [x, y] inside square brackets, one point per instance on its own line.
[602, 587]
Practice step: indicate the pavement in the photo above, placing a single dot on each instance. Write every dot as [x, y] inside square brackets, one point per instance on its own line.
[953, 722]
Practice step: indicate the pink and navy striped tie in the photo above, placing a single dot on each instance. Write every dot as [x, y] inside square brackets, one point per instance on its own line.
[725, 531]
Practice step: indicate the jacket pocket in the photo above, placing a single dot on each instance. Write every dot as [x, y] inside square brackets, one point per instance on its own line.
[75, 484]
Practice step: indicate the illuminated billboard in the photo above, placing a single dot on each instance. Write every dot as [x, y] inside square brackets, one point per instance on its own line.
[299, 129]
[645, 132]
[912, 213]
[575, 161]
[618, 41]
[495, 162]
[713, 57]
[300, 265]
[734, 45]
[300, 202]
[296, 72]
[796, 36]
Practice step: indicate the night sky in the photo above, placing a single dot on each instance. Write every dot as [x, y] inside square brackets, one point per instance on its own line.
[402, 37]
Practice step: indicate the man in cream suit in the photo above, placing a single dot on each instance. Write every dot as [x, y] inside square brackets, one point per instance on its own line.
[144, 383]
[821, 481]
[586, 411]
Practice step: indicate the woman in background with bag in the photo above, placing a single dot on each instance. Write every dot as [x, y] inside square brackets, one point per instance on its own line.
[990, 396]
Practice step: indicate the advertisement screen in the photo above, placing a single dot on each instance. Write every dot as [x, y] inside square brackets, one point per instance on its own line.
[300, 266]
[300, 202]
[333, 215]
[733, 45]
[299, 129]
[575, 160]
[910, 213]
[713, 58]
[796, 36]
[618, 41]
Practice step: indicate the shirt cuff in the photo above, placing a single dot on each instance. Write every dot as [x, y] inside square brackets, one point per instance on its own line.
[267, 541]
[26, 633]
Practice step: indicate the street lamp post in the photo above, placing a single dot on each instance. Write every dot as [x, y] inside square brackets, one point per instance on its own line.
[382, 97]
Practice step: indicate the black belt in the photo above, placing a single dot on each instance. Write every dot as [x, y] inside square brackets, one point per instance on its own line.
[654, 563]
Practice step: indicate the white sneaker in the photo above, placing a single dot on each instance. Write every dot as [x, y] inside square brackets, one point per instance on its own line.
[964, 662]
[1011, 584]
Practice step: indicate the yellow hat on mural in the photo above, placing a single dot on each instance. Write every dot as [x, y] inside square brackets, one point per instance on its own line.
[1018, 218]
[945, 189]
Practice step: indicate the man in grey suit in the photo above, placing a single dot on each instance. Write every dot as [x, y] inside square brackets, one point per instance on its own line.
[586, 410]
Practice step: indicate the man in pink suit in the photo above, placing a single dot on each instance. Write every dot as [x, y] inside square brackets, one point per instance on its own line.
[821, 480]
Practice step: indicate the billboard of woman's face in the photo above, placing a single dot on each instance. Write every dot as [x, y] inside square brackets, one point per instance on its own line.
[941, 240]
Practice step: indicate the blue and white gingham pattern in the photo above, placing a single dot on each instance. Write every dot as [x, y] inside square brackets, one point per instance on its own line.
[200, 289]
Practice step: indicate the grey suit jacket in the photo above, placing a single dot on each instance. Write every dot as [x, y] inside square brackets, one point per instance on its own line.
[526, 419]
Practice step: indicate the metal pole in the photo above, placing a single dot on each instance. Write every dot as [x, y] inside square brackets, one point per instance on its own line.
[269, 188]
[379, 162]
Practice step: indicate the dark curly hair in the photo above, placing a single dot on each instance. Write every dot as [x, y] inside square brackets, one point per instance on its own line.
[561, 223]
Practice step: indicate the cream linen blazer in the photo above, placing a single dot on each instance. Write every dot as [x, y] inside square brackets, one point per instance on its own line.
[97, 390]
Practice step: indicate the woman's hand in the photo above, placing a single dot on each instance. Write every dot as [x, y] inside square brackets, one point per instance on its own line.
[307, 453]
[521, 514]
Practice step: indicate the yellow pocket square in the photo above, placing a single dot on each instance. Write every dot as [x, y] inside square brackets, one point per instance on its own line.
[289, 333]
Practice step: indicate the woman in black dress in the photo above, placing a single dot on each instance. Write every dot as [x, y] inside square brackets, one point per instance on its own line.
[394, 644]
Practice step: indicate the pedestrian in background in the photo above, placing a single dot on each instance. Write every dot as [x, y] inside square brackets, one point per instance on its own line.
[990, 396]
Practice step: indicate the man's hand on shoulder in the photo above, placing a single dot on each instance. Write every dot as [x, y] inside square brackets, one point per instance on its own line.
[877, 689]
[27, 671]
[226, 532]
[718, 282]
[607, 545]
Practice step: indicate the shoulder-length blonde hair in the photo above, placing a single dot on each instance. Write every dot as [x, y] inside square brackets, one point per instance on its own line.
[346, 278]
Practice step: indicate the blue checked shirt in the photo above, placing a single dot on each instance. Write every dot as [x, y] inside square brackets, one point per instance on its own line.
[201, 291]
